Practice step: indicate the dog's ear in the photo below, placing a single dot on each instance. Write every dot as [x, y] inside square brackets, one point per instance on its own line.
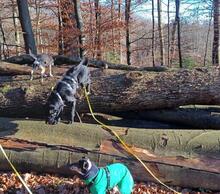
[84, 61]
[75, 168]
[32, 55]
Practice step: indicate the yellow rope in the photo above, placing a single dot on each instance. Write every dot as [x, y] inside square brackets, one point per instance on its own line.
[128, 149]
[16, 172]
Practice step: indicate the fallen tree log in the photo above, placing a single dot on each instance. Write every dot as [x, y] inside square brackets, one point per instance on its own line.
[117, 91]
[197, 116]
[188, 158]
[7, 69]
[60, 60]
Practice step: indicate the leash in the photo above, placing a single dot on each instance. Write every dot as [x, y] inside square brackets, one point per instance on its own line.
[126, 148]
[14, 169]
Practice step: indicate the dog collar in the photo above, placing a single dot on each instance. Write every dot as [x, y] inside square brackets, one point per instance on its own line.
[60, 98]
[72, 79]
[68, 85]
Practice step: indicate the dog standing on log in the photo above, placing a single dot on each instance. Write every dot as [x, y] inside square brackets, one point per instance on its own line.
[102, 180]
[64, 92]
[41, 61]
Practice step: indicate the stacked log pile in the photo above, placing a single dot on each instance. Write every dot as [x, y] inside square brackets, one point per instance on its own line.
[184, 157]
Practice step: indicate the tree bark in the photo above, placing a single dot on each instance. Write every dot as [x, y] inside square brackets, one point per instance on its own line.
[69, 26]
[118, 91]
[127, 23]
[179, 32]
[207, 38]
[60, 59]
[215, 47]
[25, 21]
[172, 43]
[160, 31]
[98, 30]
[60, 24]
[153, 33]
[15, 23]
[174, 156]
[168, 33]
[4, 44]
[9, 69]
[194, 116]
[79, 24]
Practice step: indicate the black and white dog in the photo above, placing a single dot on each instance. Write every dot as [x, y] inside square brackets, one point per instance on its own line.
[64, 93]
[41, 61]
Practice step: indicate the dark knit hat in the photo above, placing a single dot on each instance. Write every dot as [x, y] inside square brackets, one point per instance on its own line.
[85, 168]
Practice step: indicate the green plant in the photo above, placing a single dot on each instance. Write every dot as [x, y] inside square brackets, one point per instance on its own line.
[4, 89]
[112, 57]
[189, 63]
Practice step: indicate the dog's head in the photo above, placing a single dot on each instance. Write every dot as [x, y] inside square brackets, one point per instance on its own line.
[54, 108]
[84, 168]
[41, 59]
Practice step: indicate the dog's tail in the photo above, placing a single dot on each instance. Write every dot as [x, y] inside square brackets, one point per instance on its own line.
[84, 61]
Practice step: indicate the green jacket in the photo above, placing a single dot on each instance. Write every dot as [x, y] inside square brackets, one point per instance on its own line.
[119, 175]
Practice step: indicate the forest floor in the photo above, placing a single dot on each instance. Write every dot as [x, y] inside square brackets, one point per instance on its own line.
[52, 184]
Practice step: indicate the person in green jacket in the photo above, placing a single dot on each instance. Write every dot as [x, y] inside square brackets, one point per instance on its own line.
[102, 180]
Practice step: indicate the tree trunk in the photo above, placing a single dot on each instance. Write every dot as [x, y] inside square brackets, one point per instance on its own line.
[174, 156]
[118, 91]
[69, 26]
[98, 30]
[26, 26]
[207, 39]
[178, 32]
[168, 33]
[153, 33]
[79, 24]
[160, 31]
[60, 35]
[194, 116]
[60, 59]
[8, 69]
[172, 43]
[4, 44]
[15, 23]
[215, 47]
[127, 23]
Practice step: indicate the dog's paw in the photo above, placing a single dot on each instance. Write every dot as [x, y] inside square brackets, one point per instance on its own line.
[70, 122]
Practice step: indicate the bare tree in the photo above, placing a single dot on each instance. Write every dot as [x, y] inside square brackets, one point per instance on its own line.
[15, 23]
[79, 24]
[207, 38]
[119, 30]
[60, 26]
[153, 29]
[215, 46]
[4, 44]
[127, 22]
[179, 32]
[172, 43]
[25, 21]
[168, 33]
[160, 30]
[98, 29]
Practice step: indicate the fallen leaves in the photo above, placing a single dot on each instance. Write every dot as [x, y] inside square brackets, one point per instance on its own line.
[51, 184]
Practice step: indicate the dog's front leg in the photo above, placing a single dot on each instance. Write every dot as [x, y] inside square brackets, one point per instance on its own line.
[32, 74]
[88, 88]
[50, 70]
[72, 113]
[42, 73]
